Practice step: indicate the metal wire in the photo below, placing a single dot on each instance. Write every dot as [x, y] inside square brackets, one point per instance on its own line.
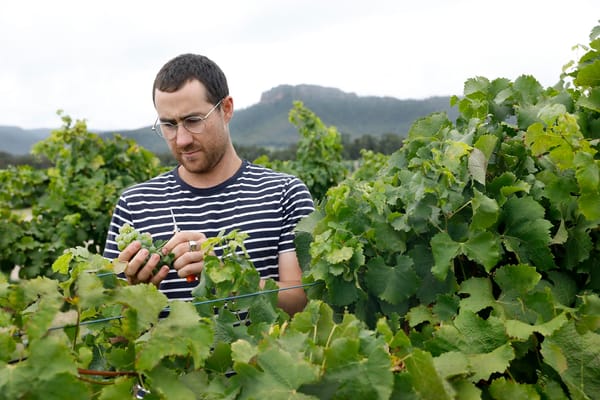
[197, 303]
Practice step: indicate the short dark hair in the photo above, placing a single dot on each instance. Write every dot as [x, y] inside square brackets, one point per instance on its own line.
[185, 67]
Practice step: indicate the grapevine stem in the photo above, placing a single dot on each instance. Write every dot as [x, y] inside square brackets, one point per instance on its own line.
[452, 214]
[94, 381]
[83, 371]
[109, 374]
[77, 328]
[329, 338]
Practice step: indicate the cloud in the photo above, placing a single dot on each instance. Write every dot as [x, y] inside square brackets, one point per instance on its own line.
[97, 60]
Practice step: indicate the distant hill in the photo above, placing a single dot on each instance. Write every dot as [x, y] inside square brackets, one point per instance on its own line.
[266, 123]
[14, 140]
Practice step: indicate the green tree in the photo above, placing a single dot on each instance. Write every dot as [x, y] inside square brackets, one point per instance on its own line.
[318, 159]
[78, 194]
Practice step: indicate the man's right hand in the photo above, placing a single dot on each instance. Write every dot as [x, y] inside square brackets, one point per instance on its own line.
[137, 269]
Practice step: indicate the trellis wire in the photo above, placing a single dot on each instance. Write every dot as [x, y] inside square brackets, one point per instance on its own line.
[196, 303]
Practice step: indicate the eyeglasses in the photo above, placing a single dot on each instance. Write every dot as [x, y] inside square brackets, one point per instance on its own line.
[193, 124]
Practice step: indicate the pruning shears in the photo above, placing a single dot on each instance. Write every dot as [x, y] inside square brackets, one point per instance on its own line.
[175, 227]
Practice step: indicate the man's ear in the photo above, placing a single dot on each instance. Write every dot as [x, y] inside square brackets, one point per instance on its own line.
[227, 108]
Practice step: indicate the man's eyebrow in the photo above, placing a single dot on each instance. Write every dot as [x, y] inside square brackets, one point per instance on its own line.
[174, 120]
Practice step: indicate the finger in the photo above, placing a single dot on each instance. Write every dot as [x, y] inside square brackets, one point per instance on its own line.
[182, 242]
[130, 251]
[184, 257]
[160, 275]
[191, 271]
[146, 272]
[176, 239]
[189, 265]
[135, 263]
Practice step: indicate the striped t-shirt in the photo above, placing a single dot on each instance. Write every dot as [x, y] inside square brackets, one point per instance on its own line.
[265, 204]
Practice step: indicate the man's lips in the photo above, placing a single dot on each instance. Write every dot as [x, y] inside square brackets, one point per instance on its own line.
[189, 153]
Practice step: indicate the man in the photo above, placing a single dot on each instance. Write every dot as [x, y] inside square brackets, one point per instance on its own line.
[210, 190]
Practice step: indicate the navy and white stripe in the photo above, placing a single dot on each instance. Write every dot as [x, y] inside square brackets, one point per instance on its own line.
[265, 204]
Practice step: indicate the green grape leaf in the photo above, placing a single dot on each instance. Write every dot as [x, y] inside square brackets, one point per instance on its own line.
[558, 188]
[479, 335]
[342, 292]
[424, 377]
[182, 333]
[317, 320]
[589, 318]
[483, 248]
[591, 101]
[519, 279]
[486, 144]
[419, 314]
[477, 165]
[471, 334]
[485, 211]
[576, 357]
[588, 172]
[480, 294]
[39, 320]
[220, 358]
[168, 384]
[45, 303]
[446, 306]
[562, 235]
[50, 357]
[589, 203]
[358, 375]
[522, 330]
[520, 297]
[526, 232]
[340, 255]
[7, 345]
[61, 264]
[496, 361]
[564, 287]
[428, 126]
[243, 352]
[143, 304]
[274, 374]
[392, 284]
[454, 152]
[466, 390]
[502, 389]
[120, 389]
[588, 75]
[60, 387]
[451, 364]
[444, 250]
[90, 291]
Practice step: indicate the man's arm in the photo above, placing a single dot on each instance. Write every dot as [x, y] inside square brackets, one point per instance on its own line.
[290, 274]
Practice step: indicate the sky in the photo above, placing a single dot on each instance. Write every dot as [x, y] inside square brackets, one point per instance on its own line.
[96, 60]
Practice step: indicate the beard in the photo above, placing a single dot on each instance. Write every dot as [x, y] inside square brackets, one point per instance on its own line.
[200, 159]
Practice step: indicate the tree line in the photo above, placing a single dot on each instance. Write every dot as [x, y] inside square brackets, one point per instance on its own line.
[352, 147]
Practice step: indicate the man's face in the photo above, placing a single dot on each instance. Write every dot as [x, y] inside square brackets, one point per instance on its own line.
[200, 152]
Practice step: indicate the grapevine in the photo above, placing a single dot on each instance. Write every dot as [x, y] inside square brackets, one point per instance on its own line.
[462, 266]
[128, 234]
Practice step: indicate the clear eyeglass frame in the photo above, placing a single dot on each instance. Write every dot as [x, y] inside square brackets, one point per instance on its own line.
[192, 124]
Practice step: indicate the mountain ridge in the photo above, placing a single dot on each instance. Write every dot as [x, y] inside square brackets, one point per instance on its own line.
[266, 123]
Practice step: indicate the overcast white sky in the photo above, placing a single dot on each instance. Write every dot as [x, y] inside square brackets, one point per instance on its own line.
[97, 60]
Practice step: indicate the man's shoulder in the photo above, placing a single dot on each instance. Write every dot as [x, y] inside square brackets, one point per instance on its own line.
[158, 182]
[257, 170]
